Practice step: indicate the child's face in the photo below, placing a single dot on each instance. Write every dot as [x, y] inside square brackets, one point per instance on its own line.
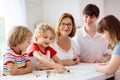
[105, 35]
[89, 20]
[45, 39]
[25, 44]
[66, 27]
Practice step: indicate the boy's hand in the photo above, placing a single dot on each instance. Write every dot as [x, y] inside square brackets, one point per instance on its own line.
[60, 68]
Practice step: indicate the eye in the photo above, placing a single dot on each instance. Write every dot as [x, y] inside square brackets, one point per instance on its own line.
[51, 38]
[69, 24]
[91, 16]
[63, 24]
[45, 37]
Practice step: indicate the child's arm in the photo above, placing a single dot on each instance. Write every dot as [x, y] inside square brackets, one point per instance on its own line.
[111, 66]
[57, 60]
[41, 67]
[49, 64]
[16, 71]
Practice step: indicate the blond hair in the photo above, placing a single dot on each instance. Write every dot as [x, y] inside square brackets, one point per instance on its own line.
[18, 35]
[41, 28]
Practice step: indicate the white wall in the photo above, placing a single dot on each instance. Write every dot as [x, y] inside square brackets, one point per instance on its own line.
[52, 9]
[112, 7]
[14, 13]
[34, 10]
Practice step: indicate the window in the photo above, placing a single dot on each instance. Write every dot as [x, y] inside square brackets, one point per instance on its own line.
[2, 36]
[12, 12]
[2, 30]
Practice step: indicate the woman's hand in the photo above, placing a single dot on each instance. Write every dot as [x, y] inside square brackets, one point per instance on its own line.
[76, 59]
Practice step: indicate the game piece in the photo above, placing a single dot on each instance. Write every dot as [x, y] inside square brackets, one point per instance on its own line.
[68, 71]
[48, 73]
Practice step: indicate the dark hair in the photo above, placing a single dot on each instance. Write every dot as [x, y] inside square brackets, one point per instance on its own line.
[91, 10]
[111, 24]
[66, 15]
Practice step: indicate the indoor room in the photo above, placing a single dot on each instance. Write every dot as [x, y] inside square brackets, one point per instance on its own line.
[31, 13]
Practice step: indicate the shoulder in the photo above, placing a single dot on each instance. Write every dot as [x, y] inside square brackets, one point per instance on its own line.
[50, 48]
[79, 30]
[52, 51]
[33, 46]
[9, 52]
[116, 50]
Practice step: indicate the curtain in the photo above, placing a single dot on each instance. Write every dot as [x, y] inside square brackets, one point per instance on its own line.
[15, 14]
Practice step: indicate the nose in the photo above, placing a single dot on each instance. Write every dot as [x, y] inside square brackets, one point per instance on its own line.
[49, 40]
[88, 18]
[66, 26]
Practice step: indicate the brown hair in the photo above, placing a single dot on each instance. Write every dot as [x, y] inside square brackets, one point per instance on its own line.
[41, 28]
[65, 15]
[91, 10]
[111, 24]
[18, 35]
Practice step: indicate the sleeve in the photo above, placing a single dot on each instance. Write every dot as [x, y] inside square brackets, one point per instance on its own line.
[116, 49]
[32, 48]
[52, 51]
[8, 58]
[76, 43]
[27, 59]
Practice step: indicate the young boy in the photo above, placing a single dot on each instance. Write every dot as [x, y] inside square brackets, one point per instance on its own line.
[90, 45]
[15, 58]
[41, 53]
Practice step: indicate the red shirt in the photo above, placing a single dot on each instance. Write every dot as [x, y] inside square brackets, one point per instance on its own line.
[34, 46]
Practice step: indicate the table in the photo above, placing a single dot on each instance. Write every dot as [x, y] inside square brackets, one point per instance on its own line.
[82, 71]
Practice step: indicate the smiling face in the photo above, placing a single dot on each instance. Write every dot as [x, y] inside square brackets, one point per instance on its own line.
[66, 27]
[45, 39]
[89, 20]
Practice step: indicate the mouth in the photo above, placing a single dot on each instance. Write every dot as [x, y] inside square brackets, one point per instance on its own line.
[46, 43]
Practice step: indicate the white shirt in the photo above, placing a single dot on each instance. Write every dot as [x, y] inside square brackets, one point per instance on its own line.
[88, 46]
[61, 53]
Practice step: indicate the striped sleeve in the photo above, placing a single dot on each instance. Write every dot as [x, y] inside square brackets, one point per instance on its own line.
[8, 58]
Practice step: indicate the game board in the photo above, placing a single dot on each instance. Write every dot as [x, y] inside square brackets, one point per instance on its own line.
[56, 76]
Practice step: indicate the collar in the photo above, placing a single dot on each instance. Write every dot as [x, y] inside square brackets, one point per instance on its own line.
[18, 53]
[85, 34]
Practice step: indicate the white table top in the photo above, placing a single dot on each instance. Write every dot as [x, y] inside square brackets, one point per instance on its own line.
[82, 71]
